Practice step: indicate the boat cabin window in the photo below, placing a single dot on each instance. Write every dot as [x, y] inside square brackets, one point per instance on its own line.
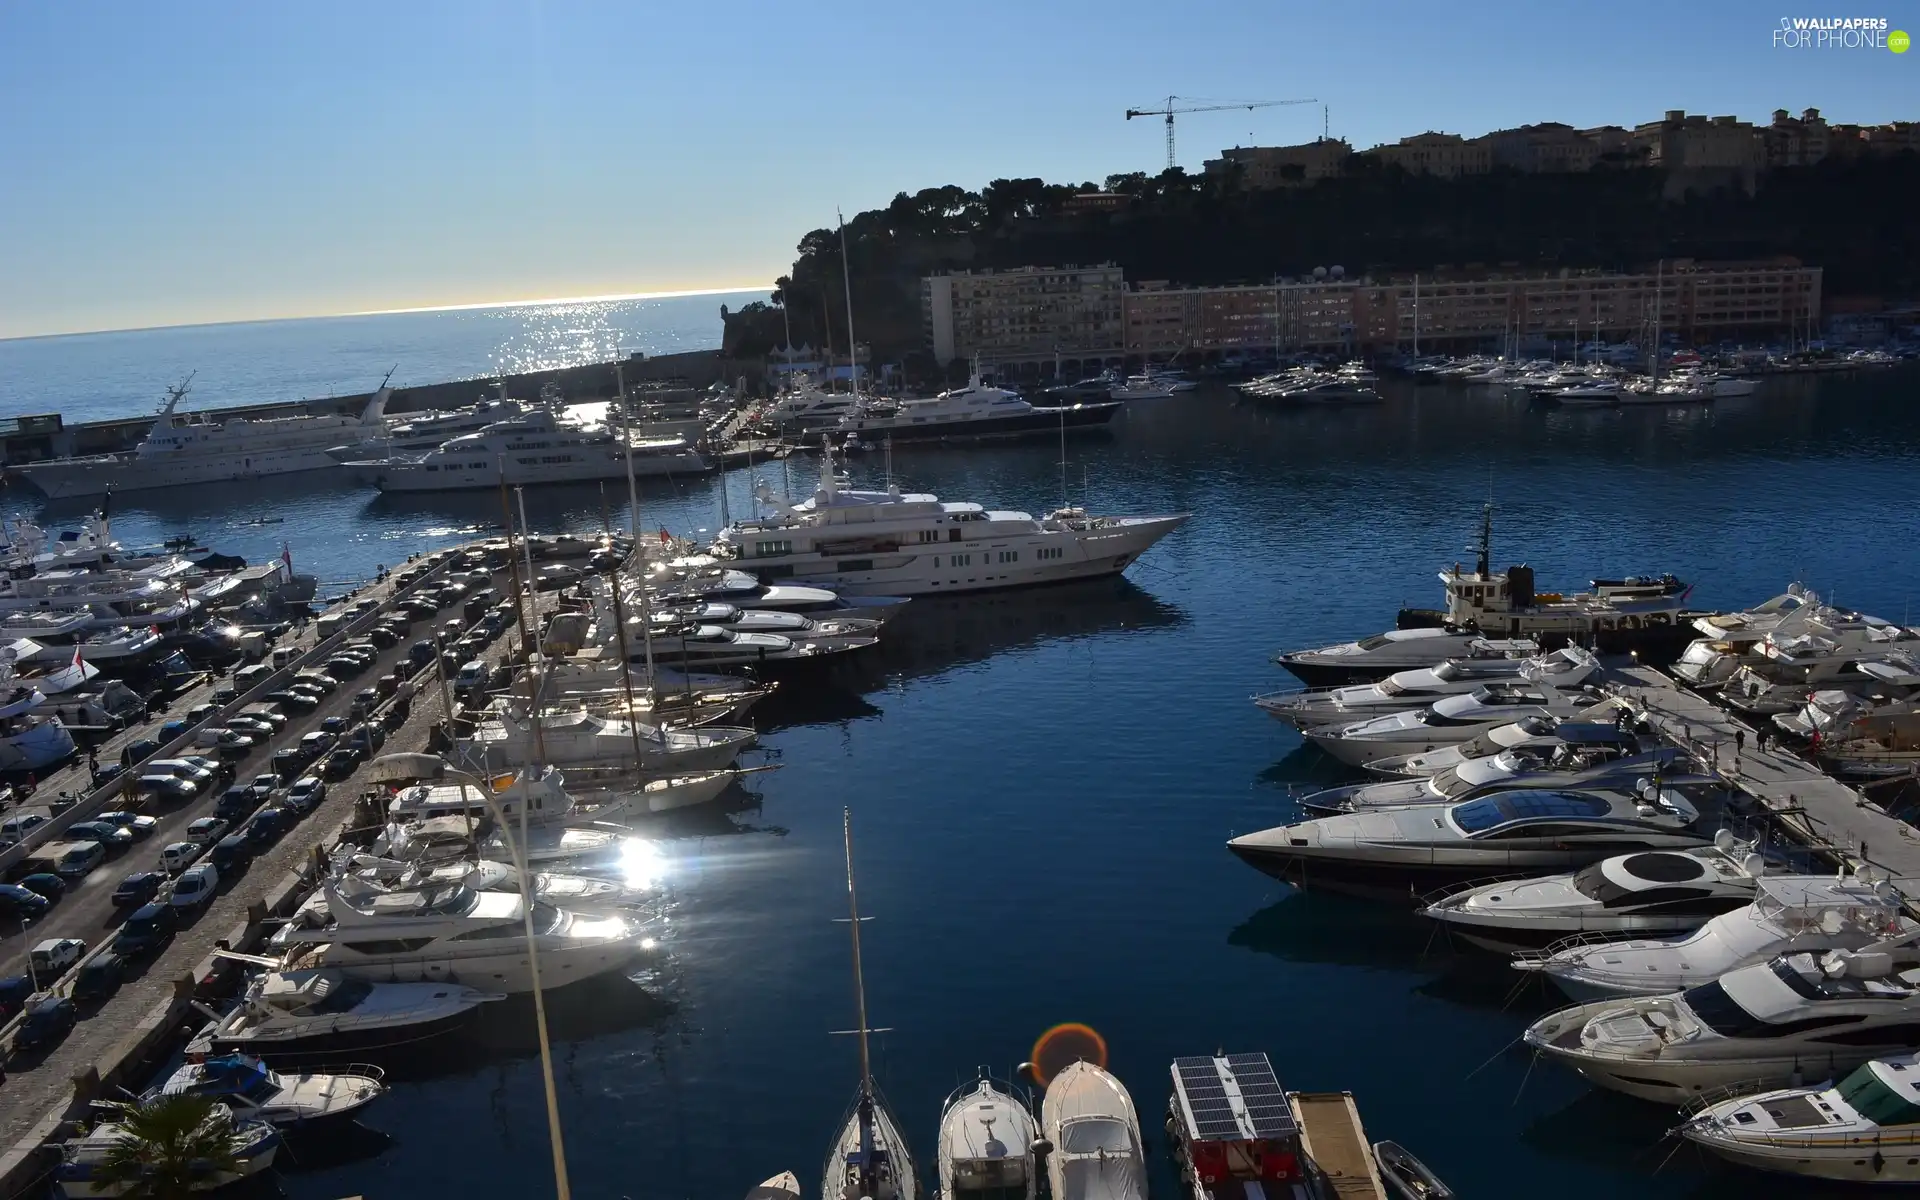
[772, 549]
[342, 995]
[1721, 1013]
[1489, 811]
[388, 946]
[1096, 1136]
[1873, 1099]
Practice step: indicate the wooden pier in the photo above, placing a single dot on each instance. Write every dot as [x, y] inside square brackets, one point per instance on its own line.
[1826, 813]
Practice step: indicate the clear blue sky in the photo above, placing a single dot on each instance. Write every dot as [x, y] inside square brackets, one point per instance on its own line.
[187, 161]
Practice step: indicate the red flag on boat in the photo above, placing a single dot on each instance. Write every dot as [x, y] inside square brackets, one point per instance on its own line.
[286, 556]
[76, 655]
[665, 537]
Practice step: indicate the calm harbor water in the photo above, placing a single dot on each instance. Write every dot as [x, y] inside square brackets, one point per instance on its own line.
[1042, 783]
[86, 376]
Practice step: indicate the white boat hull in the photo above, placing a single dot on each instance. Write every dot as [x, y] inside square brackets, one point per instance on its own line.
[1085, 555]
[61, 479]
[410, 477]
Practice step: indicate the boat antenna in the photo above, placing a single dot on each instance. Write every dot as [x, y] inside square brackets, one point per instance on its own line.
[859, 979]
[388, 377]
[1065, 500]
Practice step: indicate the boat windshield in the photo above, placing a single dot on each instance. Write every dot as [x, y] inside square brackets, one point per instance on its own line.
[1476, 816]
[1449, 670]
[1449, 784]
[1387, 687]
[1377, 641]
[1593, 883]
[1097, 1135]
[342, 995]
[1876, 1100]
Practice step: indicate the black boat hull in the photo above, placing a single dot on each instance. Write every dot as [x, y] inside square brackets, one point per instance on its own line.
[1657, 645]
[335, 1047]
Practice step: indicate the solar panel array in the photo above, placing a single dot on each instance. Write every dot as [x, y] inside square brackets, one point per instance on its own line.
[1267, 1108]
[1213, 1118]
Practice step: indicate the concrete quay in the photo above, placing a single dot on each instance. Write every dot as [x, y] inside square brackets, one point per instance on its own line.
[1825, 813]
[116, 1040]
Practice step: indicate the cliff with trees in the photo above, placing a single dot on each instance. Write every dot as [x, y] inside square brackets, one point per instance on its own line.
[1855, 219]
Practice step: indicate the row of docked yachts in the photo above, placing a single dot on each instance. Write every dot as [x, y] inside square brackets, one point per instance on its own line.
[1591, 384]
[1233, 1131]
[1779, 1006]
[1349, 383]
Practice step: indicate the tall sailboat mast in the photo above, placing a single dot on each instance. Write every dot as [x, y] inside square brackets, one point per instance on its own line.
[846, 278]
[859, 978]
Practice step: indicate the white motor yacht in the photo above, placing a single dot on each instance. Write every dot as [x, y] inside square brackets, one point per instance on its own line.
[451, 933]
[1765, 1025]
[987, 1135]
[1823, 1131]
[1500, 834]
[483, 875]
[906, 544]
[1589, 393]
[1566, 767]
[1152, 385]
[441, 840]
[307, 1015]
[1384, 654]
[413, 436]
[1830, 649]
[1728, 640]
[702, 577]
[1789, 913]
[536, 448]
[198, 448]
[252, 1089]
[973, 411]
[1568, 668]
[82, 1170]
[1598, 730]
[30, 738]
[505, 740]
[1446, 722]
[796, 626]
[713, 647]
[1090, 1121]
[1628, 895]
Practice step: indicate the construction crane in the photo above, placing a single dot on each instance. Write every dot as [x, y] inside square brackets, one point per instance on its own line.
[1172, 108]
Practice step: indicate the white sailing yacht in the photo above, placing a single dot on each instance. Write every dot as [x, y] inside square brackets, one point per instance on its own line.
[869, 1159]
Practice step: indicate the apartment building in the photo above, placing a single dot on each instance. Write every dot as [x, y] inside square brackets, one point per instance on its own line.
[1023, 314]
[1679, 141]
[1264, 167]
[1012, 329]
[1444, 154]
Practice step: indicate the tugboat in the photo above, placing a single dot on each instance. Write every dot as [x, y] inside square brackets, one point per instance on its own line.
[1642, 614]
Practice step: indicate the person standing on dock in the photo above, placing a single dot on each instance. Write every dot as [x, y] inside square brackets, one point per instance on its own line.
[1739, 744]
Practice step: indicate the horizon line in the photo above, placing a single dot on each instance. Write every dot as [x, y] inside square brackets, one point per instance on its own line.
[384, 312]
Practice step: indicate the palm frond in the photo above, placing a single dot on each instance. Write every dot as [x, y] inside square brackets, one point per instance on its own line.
[171, 1142]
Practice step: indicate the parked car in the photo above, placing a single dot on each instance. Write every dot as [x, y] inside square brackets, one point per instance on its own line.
[148, 929]
[76, 859]
[195, 888]
[206, 830]
[326, 683]
[141, 827]
[181, 768]
[556, 576]
[340, 763]
[309, 690]
[226, 693]
[137, 888]
[265, 711]
[99, 979]
[138, 750]
[201, 712]
[334, 725]
[264, 786]
[266, 827]
[19, 825]
[14, 990]
[112, 836]
[22, 904]
[420, 653]
[178, 856]
[52, 957]
[364, 701]
[382, 637]
[166, 788]
[369, 738]
[316, 743]
[44, 884]
[298, 701]
[223, 772]
[255, 727]
[50, 1017]
[235, 803]
[288, 763]
[306, 794]
[232, 854]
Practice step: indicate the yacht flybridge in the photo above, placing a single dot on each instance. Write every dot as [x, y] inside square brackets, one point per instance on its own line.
[197, 448]
[911, 544]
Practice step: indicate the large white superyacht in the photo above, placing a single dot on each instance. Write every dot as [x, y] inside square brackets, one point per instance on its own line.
[535, 448]
[912, 544]
[197, 448]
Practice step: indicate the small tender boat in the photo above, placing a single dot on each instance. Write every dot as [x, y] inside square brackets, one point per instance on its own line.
[1089, 1118]
[1409, 1178]
[84, 1158]
[987, 1137]
[246, 1085]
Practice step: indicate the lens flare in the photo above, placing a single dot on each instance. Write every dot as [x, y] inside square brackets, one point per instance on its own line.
[641, 864]
[1062, 1046]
